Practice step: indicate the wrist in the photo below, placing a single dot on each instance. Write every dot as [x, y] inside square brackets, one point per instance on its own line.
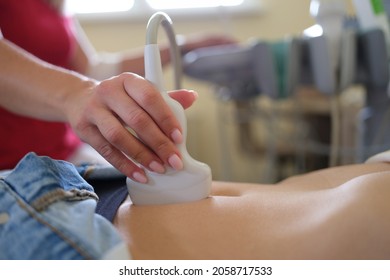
[78, 88]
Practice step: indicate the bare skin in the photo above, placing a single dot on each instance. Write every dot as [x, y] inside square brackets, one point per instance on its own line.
[336, 213]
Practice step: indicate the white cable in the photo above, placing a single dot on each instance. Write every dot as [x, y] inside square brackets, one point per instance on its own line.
[151, 39]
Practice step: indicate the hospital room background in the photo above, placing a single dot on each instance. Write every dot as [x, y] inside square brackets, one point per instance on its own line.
[247, 134]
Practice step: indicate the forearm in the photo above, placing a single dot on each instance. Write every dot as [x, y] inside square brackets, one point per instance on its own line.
[133, 61]
[33, 88]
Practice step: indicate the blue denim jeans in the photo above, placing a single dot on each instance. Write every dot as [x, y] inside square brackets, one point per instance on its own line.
[47, 211]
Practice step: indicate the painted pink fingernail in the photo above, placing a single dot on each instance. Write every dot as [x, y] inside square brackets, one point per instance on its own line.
[139, 177]
[175, 162]
[194, 93]
[177, 136]
[157, 167]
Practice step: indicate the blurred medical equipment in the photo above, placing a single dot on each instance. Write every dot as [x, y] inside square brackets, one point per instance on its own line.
[193, 182]
[332, 55]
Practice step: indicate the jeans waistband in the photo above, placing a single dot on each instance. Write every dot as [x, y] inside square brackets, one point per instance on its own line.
[50, 212]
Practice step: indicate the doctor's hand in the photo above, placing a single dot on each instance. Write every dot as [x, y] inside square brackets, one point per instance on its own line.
[102, 118]
[196, 41]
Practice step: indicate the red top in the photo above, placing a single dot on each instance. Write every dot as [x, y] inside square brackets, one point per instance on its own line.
[42, 31]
